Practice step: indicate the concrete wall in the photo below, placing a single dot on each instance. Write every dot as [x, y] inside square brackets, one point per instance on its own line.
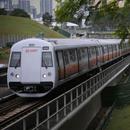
[82, 118]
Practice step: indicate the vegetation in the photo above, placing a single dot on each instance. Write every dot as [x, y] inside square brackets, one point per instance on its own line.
[103, 17]
[3, 12]
[19, 13]
[23, 26]
[4, 54]
[47, 18]
[120, 119]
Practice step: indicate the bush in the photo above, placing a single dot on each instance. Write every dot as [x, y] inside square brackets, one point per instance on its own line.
[4, 53]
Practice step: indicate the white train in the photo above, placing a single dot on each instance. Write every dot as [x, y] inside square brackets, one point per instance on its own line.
[37, 66]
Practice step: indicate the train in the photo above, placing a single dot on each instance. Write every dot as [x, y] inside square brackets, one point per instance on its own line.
[37, 66]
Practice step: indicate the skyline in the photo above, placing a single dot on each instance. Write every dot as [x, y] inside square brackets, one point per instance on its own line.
[35, 8]
[35, 3]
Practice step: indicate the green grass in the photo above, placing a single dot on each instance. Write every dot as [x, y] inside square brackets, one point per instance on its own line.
[4, 54]
[120, 119]
[24, 26]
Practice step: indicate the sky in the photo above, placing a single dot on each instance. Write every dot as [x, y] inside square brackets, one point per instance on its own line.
[35, 3]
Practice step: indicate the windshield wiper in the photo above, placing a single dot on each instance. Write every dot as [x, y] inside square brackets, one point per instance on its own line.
[17, 64]
[45, 64]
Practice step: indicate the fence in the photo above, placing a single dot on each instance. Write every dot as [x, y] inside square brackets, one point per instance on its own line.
[57, 110]
[9, 39]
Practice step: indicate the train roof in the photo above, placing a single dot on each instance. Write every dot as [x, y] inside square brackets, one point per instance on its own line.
[65, 43]
[71, 43]
[30, 41]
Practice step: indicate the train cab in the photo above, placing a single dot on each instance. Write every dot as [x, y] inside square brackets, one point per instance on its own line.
[31, 67]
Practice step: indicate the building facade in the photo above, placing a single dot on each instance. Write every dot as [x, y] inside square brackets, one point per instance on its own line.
[7, 4]
[45, 6]
[25, 5]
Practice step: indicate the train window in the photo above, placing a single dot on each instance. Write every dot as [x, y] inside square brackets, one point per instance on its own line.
[99, 50]
[115, 48]
[79, 54]
[110, 48]
[66, 58]
[105, 49]
[15, 59]
[72, 55]
[47, 59]
[92, 52]
[83, 52]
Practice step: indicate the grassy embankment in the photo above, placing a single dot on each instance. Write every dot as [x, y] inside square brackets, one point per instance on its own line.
[10, 25]
[120, 119]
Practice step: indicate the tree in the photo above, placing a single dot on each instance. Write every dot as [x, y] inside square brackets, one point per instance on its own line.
[102, 17]
[19, 13]
[47, 18]
[66, 10]
[3, 12]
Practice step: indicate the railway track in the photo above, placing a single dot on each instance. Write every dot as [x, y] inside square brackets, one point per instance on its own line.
[7, 98]
[14, 109]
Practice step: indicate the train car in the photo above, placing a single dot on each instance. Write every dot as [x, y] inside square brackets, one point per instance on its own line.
[37, 66]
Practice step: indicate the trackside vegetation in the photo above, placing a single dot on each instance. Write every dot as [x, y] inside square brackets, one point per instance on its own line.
[24, 26]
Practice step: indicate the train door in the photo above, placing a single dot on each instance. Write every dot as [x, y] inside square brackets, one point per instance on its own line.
[60, 61]
[66, 63]
[99, 55]
[92, 57]
[73, 61]
[106, 54]
[114, 51]
[31, 64]
[110, 52]
[83, 59]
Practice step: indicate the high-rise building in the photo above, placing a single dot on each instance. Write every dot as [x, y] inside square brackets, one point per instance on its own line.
[25, 5]
[7, 4]
[45, 6]
[33, 11]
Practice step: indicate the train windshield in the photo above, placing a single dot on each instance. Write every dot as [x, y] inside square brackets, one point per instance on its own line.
[47, 59]
[15, 59]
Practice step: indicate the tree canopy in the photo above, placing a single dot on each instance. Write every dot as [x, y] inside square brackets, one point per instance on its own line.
[66, 10]
[3, 11]
[102, 17]
[47, 18]
[19, 13]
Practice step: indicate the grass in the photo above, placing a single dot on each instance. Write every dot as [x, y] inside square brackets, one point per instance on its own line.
[4, 55]
[120, 119]
[24, 26]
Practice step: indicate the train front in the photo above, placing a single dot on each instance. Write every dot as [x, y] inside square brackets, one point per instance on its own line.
[31, 70]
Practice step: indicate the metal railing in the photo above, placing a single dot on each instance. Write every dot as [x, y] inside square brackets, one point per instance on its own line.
[57, 110]
[7, 40]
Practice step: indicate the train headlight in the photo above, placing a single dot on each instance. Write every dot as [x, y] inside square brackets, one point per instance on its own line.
[17, 76]
[44, 75]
